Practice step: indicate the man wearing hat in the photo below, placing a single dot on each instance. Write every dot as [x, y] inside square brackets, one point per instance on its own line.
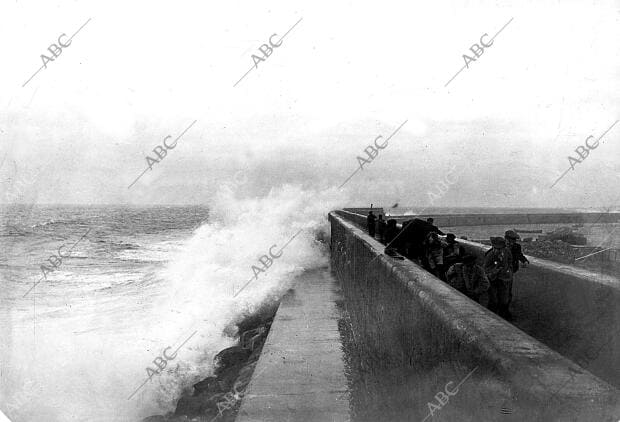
[434, 254]
[371, 221]
[452, 251]
[498, 267]
[515, 250]
[468, 278]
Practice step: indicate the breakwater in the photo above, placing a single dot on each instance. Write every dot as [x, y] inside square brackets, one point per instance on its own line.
[425, 334]
[300, 375]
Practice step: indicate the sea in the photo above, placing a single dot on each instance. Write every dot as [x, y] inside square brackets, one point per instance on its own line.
[108, 313]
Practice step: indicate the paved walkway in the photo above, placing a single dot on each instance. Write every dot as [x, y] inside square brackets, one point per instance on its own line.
[300, 374]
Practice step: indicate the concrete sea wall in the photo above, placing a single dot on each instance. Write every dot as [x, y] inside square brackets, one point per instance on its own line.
[513, 219]
[412, 325]
[574, 311]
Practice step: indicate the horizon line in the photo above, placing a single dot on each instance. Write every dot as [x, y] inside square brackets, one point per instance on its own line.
[347, 207]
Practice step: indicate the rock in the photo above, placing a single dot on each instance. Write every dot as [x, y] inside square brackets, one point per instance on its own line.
[190, 405]
[209, 384]
[233, 365]
[167, 418]
[244, 377]
[230, 357]
[251, 337]
[198, 405]
[155, 418]
[229, 375]
[263, 316]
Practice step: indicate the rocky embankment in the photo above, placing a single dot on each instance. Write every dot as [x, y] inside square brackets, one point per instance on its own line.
[218, 397]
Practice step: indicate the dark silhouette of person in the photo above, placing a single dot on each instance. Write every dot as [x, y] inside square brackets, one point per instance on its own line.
[452, 251]
[468, 278]
[381, 226]
[431, 221]
[515, 249]
[371, 220]
[433, 248]
[517, 256]
[405, 245]
[498, 267]
[413, 235]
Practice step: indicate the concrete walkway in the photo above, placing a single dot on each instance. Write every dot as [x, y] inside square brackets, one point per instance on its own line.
[300, 375]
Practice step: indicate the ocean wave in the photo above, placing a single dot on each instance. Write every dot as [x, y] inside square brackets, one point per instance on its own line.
[126, 314]
[52, 223]
[205, 274]
[13, 230]
[121, 246]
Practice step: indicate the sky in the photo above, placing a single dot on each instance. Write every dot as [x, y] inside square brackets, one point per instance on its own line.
[347, 72]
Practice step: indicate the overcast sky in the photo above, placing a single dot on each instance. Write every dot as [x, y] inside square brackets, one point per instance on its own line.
[80, 130]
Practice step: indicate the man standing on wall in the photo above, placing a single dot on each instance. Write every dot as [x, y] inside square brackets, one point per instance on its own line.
[498, 267]
[517, 256]
[371, 220]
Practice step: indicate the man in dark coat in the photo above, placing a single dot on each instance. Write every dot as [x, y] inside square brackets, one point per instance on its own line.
[381, 226]
[413, 234]
[371, 220]
[452, 251]
[515, 249]
[433, 248]
[517, 256]
[431, 222]
[498, 267]
[468, 278]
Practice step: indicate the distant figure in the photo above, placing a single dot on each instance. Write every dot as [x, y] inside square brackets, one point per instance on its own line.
[452, 252]
[515, 249]
[434, 254]
[405, 243]
[431, 221]
[381, 226]
[517, 256]
[412, 239]
[468, 278]
[498, 267]
[370, 220]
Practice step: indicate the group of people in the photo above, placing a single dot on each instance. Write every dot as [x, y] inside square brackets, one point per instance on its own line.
[419, 240]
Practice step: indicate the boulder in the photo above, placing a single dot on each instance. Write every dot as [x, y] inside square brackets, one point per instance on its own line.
[198, 405]
[155, 418]
[231, 356]
[209, 384]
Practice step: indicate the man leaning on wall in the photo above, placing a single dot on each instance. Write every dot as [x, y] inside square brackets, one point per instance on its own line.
[517, 256]
[498, 267]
